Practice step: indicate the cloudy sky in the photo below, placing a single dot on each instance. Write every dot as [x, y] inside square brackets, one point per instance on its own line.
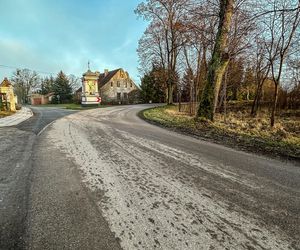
[53, 35]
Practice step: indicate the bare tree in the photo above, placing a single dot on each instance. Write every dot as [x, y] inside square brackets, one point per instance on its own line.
[282, 24]
[74, 82]
[199, 39]
[240, 44]
[168, 17]
[218, 62]
[294, 87]
[25, 81]
[262, 70]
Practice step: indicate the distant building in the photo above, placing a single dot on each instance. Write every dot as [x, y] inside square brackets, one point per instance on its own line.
[7, 97]
[114, 87]
[38, 99]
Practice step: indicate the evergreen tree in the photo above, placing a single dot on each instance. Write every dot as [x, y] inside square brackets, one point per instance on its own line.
[62, 89]
[153, 86]
[147, 88]
[47, 85]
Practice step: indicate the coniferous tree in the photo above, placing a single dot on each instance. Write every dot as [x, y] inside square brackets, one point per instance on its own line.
[147, 88]
[62, 89]
[47, 85]
[153, 86]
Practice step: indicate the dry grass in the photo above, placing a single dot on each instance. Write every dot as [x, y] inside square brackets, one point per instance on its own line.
[285, 130]
[239, 129]
[5, 113]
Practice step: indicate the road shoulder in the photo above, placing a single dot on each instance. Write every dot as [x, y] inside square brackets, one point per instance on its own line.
[15, 119]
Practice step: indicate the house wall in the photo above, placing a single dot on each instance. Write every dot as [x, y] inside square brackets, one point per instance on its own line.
[45, 100]
[109, 92]
[10, 97]
[37, 99]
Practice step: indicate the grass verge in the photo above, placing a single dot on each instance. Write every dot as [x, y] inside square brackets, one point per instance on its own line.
[239, 131]
[72, 106]
[6, 113]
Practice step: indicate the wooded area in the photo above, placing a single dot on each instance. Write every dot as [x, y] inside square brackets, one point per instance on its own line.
[27, 82]
[211, 52]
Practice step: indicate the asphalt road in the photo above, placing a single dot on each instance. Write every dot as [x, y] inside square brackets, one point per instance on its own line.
[43, 116]
[16, 148]
[105, 179]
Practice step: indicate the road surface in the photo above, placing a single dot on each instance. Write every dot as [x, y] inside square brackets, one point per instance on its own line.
[16, 148]
[105, 179]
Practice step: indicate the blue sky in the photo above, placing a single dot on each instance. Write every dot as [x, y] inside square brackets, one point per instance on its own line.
[53, 35]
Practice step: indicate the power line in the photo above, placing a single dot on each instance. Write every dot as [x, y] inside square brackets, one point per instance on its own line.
[38, 71]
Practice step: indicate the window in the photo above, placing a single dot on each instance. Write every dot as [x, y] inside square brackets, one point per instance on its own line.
[125, 96]
[119, 96]
[111, 84]
[126, 84]
[118, 84]
[130, 84]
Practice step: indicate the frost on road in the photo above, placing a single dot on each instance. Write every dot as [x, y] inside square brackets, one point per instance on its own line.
[150, 200]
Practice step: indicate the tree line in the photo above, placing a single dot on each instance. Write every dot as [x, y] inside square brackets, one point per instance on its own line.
[212, 51]
[27, 82]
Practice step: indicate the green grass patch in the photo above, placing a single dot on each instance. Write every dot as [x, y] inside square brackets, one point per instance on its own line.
[73, 106]
[240, 130]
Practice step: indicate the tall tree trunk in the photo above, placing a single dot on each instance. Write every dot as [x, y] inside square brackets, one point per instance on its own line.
[224, 91]
[258, 94]
[170, 92]
[221, 100]
[201, 73]
[274, 105]
[253, 110]
[172, 75]
[257, 98]
[217, 64]
[197, 78]
[225, 96]
[191, 97]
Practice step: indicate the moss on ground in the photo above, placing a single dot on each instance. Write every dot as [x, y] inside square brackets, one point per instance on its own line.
[240, 130]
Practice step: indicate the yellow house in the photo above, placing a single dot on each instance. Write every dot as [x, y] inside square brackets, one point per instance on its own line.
[7, 97]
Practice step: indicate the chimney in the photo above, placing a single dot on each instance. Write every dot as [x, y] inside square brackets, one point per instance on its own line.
[105, 72]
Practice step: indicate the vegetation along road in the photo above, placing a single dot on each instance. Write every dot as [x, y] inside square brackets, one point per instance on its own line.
[105, 179]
